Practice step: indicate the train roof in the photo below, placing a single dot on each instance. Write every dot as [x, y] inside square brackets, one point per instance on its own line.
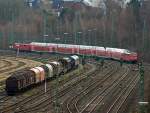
[67, 59]
[18, 44]
[62, 45]
[71, 45]
[86, 47]
[100, 48]
[43, 44]
[55, 62]
[115, 50]
[126, 51]
[20, 74]
[74, 56]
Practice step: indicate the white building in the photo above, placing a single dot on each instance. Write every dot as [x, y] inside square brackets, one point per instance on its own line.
[101, 3]
[92, 3]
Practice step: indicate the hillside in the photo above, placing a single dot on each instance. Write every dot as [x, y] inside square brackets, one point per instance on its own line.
[115, 27]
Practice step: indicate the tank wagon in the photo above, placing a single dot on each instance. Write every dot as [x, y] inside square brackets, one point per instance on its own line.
[24, 79]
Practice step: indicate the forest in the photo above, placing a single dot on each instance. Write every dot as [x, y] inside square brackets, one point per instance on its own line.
[115, 26]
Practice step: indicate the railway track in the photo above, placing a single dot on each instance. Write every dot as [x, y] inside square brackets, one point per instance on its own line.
[4, 63]
[71, 105]
[13, 65]
[16, 64]
[43, 104]
[100, 93]
[39, 102]
[103, 101]
[10, 65]
[10, 108]
[123, 95]
[106, 94]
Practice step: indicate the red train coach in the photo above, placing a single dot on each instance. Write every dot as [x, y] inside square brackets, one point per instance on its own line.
[100, 51]
[43, 47]
[22, 47]
[132, 56]
[61, 48]
[87, 50]
[106, 52]
[114, 53]
[73, 49]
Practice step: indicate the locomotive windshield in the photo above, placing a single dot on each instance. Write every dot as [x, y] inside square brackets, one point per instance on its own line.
[127, 52]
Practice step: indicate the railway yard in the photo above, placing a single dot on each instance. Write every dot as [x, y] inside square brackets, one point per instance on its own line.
[91, 88]
[74, 56]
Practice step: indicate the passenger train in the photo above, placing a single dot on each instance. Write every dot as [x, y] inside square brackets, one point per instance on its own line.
[104, 52]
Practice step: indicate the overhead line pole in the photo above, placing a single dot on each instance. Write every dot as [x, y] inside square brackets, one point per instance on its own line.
[142, 102]
[56, 103]
[112, 30]
[44, 40]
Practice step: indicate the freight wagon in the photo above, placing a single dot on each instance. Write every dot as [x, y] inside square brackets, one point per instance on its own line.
[24, 79]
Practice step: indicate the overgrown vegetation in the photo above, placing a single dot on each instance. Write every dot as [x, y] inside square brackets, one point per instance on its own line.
[117, 27]
[9, 9]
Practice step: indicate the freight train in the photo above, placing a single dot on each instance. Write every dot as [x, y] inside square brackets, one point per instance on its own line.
[23, 79]
[104, 52]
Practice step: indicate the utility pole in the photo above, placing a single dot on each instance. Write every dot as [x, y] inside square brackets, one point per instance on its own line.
[56, 103]
[135, 4]
[89, 37]
[143, 38]
[75, 28]
[113, 39]
[44, 25]
[66, 37]
[79, 38]
[12, 30]
[95, 36]
[44, 40]
[142, 103]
